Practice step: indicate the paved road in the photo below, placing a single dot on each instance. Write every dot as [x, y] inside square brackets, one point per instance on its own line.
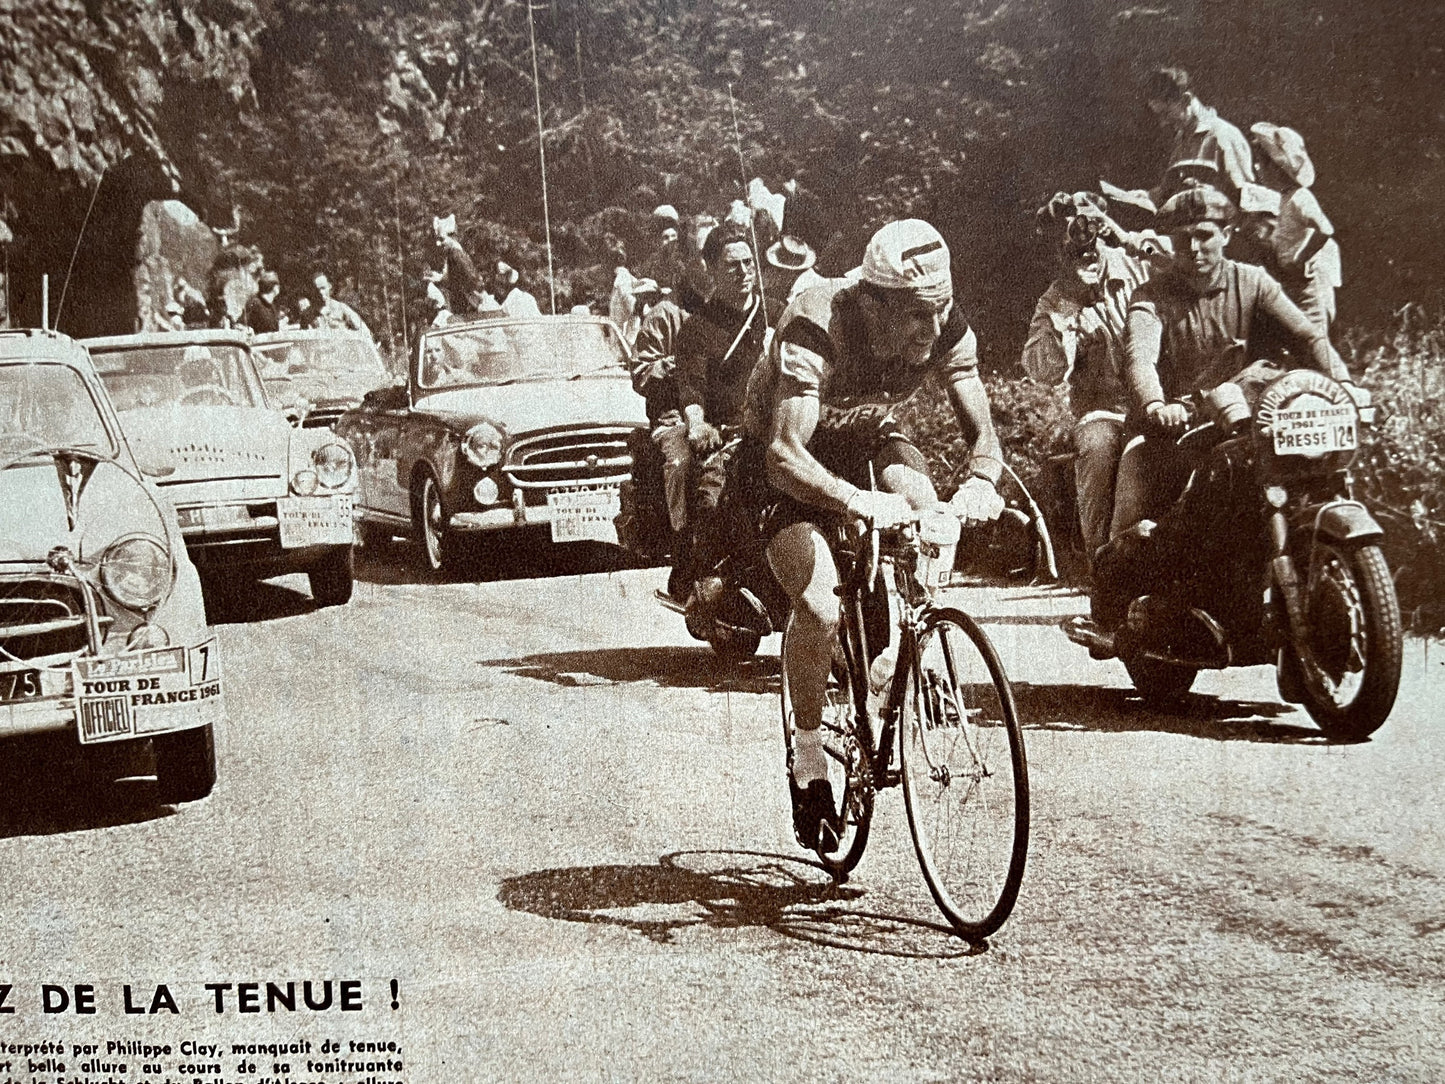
[562, 828]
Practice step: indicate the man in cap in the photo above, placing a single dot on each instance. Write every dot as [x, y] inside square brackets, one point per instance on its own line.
[1198, 133]
[818, 420]
[1076, 339]
[1188, 331]
[1305, 254]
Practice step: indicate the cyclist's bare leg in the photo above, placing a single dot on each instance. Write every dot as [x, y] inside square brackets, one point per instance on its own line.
[801, 561]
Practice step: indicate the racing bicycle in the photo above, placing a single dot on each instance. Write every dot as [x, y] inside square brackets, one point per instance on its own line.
[943, 725]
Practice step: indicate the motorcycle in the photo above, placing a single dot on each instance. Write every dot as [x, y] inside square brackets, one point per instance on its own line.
[1265, 557]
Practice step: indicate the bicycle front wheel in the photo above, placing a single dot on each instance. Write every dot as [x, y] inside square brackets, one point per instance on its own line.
[965, 777]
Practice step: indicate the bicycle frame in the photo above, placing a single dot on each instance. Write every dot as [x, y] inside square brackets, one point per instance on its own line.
[914, 604]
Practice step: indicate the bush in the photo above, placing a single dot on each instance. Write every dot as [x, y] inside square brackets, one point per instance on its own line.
[1400, 472]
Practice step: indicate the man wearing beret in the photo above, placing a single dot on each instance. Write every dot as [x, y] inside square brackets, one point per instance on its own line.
[1188, 330]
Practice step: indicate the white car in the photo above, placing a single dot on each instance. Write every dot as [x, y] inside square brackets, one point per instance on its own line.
[254, 494]
[102, 626]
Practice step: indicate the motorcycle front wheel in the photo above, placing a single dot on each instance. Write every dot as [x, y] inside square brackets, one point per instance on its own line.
[1348, 671]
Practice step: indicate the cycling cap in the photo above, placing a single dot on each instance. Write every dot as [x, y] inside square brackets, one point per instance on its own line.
[1197, 203]
[909, 255]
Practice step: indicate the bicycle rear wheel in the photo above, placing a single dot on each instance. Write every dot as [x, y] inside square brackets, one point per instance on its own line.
[965, 777]
[850, 769]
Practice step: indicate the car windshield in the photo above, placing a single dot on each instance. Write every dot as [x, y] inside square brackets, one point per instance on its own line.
[195, 374]
[510, 352]
[47, 404]
[319, 355]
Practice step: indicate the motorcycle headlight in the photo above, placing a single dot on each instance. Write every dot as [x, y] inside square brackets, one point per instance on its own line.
[136, 572]
[333, 465]
[483, 445]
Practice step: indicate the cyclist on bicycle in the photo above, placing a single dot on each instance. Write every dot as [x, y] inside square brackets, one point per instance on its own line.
[819, 411]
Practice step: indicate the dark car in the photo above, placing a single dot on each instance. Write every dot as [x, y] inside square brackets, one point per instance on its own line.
[314, 376]
[502, 424]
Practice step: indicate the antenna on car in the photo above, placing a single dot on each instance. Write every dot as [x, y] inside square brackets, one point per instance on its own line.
[542, 155]
[65, 285]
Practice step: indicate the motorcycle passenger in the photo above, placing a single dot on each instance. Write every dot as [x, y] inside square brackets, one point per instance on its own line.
[655, 354]
[1188, 331]
[818, 413]
[1077, 339]
[717, 348]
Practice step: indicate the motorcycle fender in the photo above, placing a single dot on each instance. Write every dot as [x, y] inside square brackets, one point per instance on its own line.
[1346, 521]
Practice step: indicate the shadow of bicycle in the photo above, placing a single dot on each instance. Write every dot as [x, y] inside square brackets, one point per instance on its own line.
[728, 890]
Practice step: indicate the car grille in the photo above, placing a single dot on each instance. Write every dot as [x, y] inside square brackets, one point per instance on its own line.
[41, 617]
[322, 417]
[590, 456]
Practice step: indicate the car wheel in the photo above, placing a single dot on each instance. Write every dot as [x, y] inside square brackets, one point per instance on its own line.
[185, 765]
[331, 577]
[431, 526]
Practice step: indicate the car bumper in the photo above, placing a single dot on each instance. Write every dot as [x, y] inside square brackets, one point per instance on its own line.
[179, 696]
[247, 535]
[589, 518]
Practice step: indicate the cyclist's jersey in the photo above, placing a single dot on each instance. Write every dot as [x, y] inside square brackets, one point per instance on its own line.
[820, 349]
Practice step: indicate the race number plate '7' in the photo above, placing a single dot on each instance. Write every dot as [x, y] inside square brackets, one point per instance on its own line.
[584, 515]
[146, 692]
[1315, 429]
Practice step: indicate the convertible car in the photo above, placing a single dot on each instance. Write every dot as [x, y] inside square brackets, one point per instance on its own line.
[502, 424]
[316, 375]
[254, 495]
[102, 628]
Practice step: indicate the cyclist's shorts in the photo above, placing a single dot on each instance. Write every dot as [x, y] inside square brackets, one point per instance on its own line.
[846, 448]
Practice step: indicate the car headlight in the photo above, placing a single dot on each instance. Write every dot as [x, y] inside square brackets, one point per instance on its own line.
[303, 483]
[483, 445]
[333, 465]
[136, 572]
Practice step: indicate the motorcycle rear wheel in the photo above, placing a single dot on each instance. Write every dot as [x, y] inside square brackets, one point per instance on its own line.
[1158, 680]
[1348, 687]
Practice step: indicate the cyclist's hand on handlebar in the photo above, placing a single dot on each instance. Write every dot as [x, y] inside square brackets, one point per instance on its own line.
[977, 501]
[1168, 419]
[881, 509]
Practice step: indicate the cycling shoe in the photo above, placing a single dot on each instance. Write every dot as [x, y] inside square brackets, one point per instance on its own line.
[813, 809]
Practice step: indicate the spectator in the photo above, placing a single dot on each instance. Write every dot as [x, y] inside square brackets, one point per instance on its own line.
[261, 313]
[506, 287]
[791, 261]
[453, 271]
[1198, 132]
[334, 314]
[1306, 256]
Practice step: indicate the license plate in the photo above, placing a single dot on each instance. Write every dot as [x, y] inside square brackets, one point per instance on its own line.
[584, 515]
[1315, 430]
[315, 521]
[146, 692]
[214, 516]
[31, 684]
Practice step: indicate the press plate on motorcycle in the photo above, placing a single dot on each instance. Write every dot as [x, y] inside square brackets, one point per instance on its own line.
[1312, 426]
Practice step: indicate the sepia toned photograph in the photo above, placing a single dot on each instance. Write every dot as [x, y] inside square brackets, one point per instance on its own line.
[714, 540]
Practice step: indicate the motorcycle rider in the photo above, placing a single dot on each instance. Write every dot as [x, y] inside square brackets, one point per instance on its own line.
[1187, 332]
[818, 413]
